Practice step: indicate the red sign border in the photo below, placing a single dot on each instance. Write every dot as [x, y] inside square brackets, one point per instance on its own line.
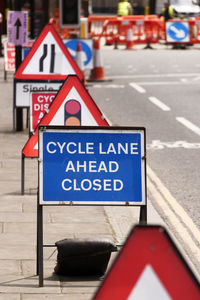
[136, 245]
[48, 28]
[71, 81]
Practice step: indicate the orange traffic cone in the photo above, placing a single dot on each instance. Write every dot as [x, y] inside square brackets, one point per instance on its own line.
[79, 60]
[129, 39]
[98, 71]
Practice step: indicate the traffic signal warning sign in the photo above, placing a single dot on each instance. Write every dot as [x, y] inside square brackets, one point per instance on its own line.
[72, 106]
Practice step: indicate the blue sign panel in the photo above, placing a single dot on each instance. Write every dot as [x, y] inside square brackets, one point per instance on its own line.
[25, 51]
[86, 47]
[177, 31]
[92, 166]
[71, 45]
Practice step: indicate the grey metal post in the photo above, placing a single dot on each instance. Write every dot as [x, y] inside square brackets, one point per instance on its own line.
[40, 246]
[22, 174]
[18, 57]
[143, 215]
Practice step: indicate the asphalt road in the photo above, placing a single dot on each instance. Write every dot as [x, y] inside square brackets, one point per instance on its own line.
[160, 90]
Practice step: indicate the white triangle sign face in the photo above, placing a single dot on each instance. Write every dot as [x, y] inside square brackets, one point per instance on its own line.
[154, 288]
[72, 106]
[48, 59]
[87, 118]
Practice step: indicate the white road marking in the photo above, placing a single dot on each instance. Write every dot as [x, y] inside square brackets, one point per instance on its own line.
[189, 125]
[167, 75]
[137, 87]
[159, 145]
[160, 104]
[163, 82]
[109, 86]
[175, 217]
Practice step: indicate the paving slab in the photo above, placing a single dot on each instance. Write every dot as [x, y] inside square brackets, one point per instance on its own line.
[17, 252]
[10, 267]
[68, 296]
[10, 296]
[29, 284]
[57, 227]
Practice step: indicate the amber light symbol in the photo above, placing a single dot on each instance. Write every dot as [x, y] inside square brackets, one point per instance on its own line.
[72, 113]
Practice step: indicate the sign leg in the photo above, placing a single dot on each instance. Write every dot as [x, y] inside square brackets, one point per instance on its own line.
[5, 75]
[19, 110]
[22, 174]
[40, 245]
[19, 119]
[143, 215]
[14, 119]
[37, 241]
[27, 117]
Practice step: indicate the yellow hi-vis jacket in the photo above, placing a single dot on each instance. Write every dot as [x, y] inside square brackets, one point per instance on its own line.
[123, 8]
[171, 12]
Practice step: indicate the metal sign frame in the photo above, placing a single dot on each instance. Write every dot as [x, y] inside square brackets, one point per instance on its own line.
[91, 129]
[112, 178]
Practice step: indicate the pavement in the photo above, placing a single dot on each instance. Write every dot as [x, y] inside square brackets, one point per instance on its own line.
[18, 280]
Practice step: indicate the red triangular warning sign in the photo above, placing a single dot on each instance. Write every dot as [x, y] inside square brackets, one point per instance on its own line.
[149, 266]
[72, 106]
[48, 59]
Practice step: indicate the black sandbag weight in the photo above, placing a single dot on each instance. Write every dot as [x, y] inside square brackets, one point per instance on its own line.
[83, 257]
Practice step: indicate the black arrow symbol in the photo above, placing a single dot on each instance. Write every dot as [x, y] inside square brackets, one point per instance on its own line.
[17, 24]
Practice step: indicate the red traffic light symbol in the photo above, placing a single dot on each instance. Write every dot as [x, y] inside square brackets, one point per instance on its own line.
[72, 113]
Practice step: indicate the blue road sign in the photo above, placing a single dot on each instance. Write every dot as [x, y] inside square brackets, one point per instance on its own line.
[86, 47]
[177, 31]
[71, 45]
[25, 51]
[92, 166]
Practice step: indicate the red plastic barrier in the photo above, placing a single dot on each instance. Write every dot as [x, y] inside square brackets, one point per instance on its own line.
[195, 31]
[95, 24]
[145, 30]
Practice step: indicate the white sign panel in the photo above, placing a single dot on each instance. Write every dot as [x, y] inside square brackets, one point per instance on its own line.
[22, 90]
